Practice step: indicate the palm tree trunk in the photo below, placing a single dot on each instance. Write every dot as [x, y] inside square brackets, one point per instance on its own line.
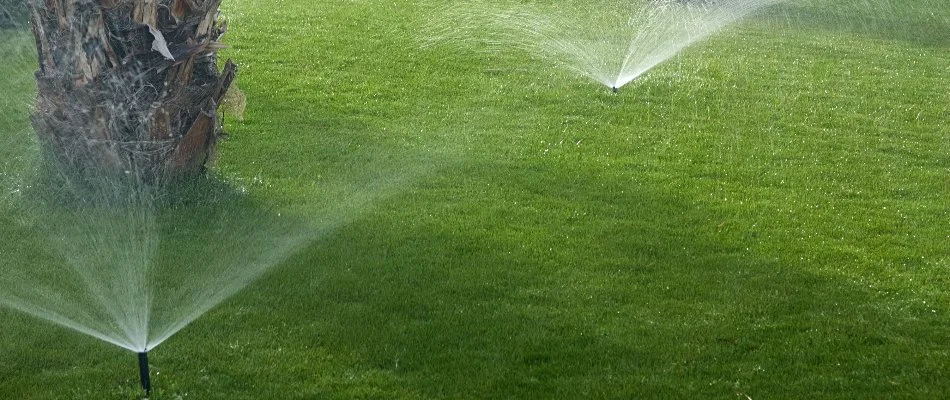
[129, 86]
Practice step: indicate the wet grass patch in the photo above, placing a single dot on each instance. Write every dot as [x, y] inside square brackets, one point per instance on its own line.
[762, 216]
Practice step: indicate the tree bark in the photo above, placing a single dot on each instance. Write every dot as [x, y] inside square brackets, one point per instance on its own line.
[129, 86]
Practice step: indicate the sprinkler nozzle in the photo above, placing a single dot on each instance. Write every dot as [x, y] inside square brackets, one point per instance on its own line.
[615, 89]
[143, 373]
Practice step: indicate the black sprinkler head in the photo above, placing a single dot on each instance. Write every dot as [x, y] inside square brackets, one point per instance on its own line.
[615, 89]
[143, 373]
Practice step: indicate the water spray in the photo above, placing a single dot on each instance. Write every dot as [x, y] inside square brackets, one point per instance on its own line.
[614, 46]
[143, 373]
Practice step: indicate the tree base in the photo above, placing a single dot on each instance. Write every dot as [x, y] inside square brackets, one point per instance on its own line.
[129, 86]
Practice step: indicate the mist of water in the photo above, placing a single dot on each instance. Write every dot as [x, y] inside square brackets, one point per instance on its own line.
[132, 264]
[612, 42]
[130, 269]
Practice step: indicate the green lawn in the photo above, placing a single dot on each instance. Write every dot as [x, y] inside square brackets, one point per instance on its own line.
[764, 216]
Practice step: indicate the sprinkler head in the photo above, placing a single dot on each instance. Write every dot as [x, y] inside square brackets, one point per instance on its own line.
[143, 373]
[615, 89]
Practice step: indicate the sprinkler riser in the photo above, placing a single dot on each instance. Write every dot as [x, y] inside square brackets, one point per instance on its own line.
[144, 374]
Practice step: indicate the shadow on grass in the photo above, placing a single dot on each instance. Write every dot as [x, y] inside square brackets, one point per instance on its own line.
[554, 287]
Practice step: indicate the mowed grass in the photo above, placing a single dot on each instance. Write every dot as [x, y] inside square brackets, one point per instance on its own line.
[764, 216]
